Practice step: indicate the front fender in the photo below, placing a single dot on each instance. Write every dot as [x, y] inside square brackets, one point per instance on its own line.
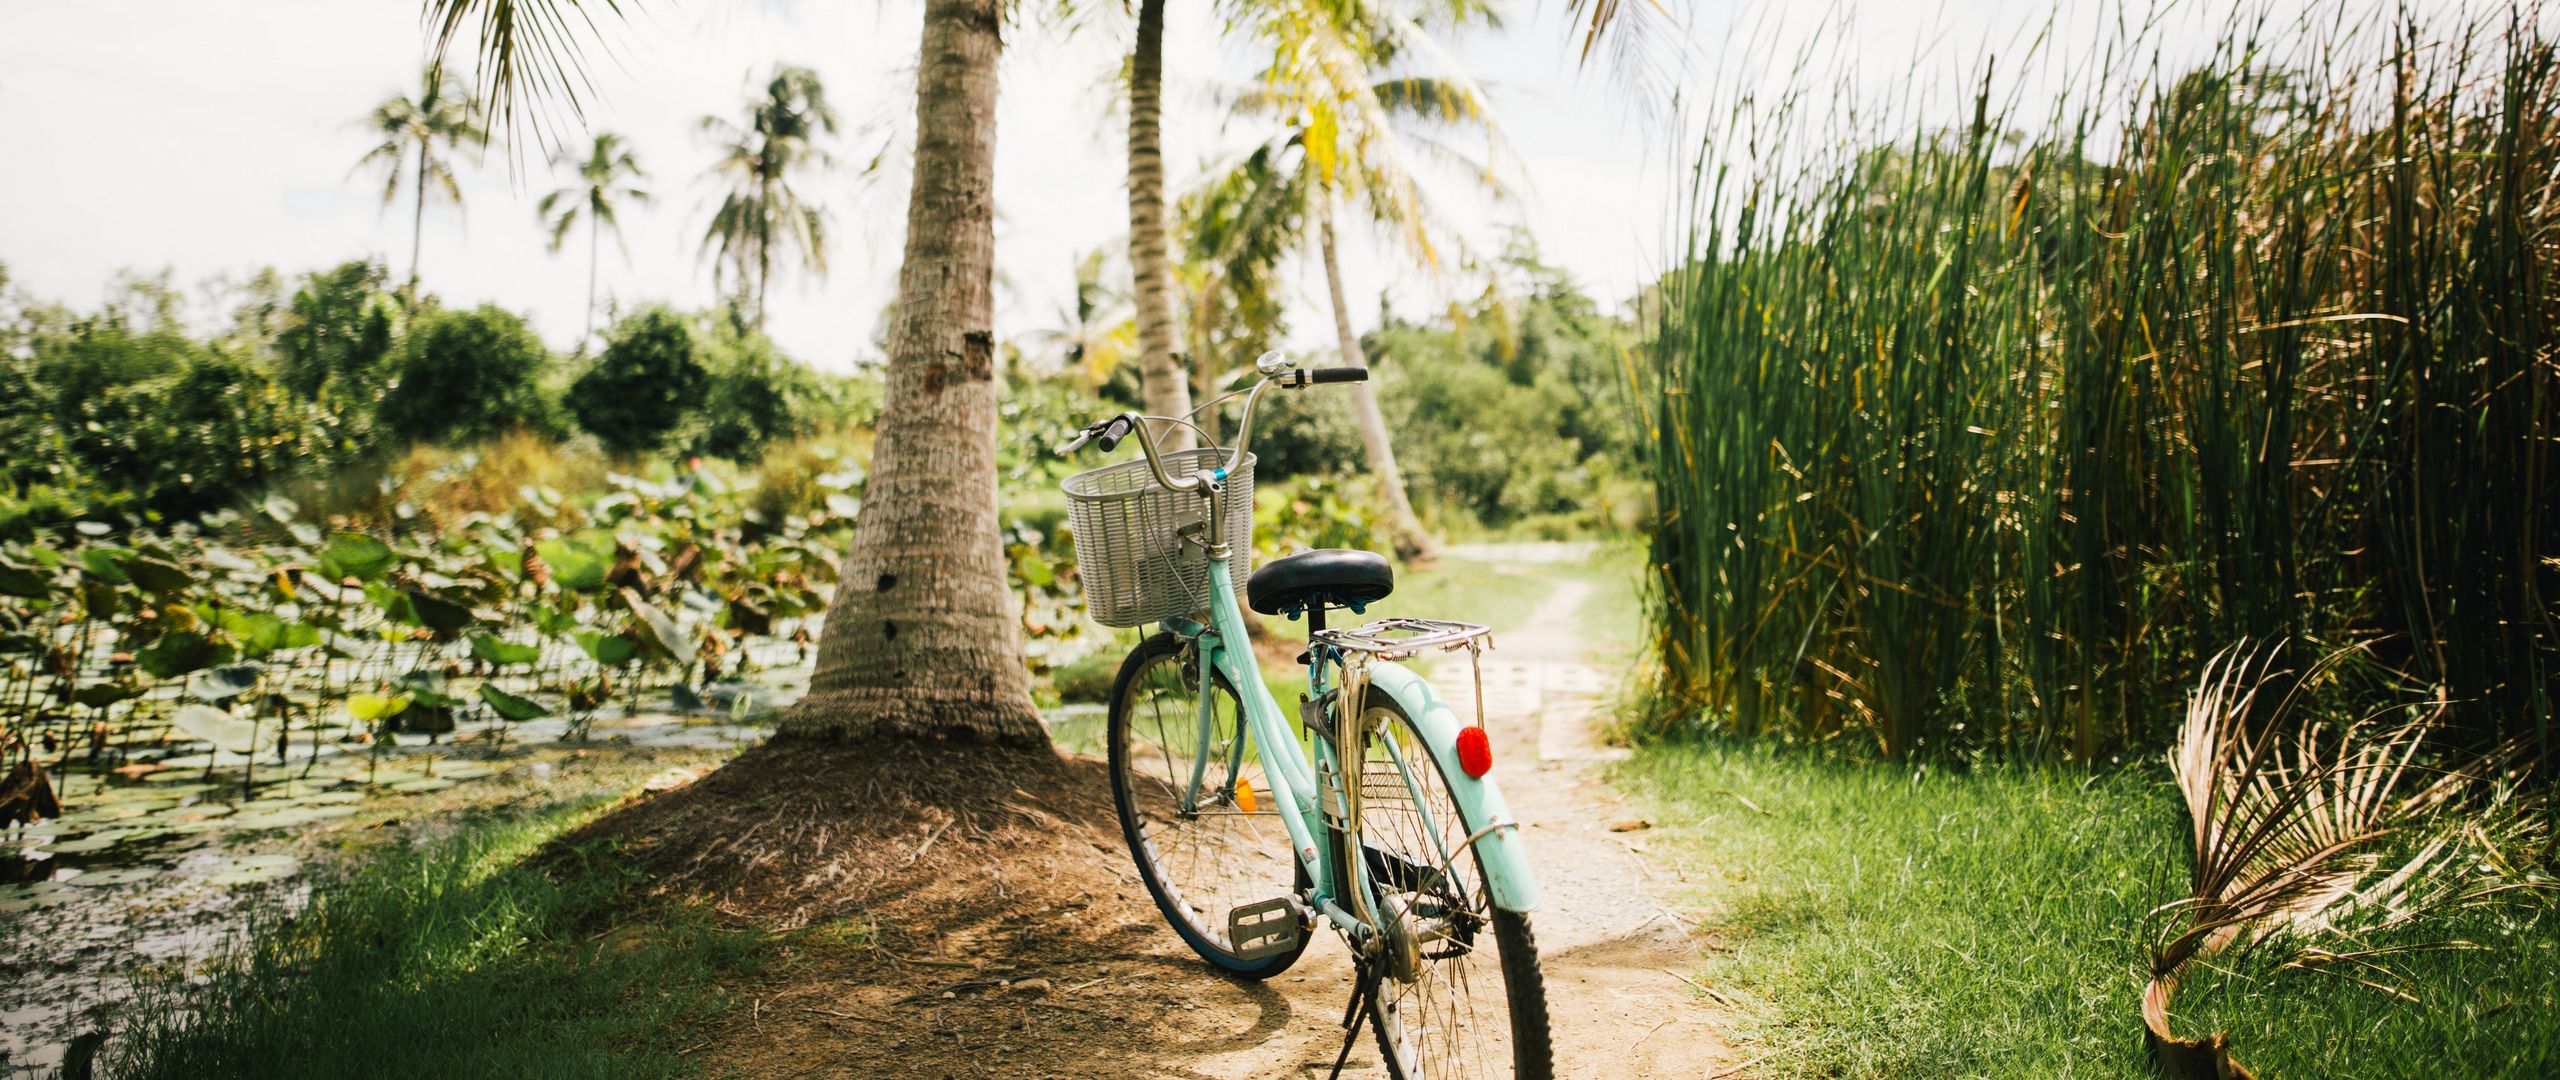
[1506, 863]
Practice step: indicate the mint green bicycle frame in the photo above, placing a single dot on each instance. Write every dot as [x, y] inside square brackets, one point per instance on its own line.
[1293, 776]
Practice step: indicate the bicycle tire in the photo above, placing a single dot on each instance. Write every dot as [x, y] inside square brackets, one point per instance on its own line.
[1524, 984]
[1198, 927]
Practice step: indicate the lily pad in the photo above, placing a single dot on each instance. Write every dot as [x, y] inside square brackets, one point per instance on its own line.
[23, 581]
[371, 708]
[115, 875]
[28, 897]
[227, 682]
[253, 869]
[95, 842]
[223, 730]
[99, 695]
[287, 817]
[575, 566]
[610, 650]
[503, 653]
[181, 652]
[512, 707]
[156, 576]
[661, 630]
[355, 555]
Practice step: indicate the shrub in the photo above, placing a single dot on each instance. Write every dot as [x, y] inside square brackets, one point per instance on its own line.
[338, 332]
[641, 394]
[758, 397]
[102, 416]
[470, 375]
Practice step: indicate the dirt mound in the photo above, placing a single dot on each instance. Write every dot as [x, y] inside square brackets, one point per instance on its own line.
[940, 835]
[961, 911]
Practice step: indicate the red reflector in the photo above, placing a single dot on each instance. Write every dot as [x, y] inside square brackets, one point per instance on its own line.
[1475, 751]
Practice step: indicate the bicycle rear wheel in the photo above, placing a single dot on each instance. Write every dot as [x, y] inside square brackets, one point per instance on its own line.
[1228, 848]
[1462, 996]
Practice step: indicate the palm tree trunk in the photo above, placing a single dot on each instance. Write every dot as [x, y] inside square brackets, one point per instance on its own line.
[418, 221]
[1160, 377]
[594, 232]
[1203, 358]
[922, 641]
[1411, 540]
[764, 271]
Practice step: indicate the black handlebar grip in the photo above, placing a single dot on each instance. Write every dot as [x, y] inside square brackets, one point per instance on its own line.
[1113, 432]
[1332, 375]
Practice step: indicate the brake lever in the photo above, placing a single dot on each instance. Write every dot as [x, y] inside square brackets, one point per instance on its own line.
[1082, 437]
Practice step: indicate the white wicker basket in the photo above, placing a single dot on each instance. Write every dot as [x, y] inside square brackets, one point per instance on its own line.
[1129, 549]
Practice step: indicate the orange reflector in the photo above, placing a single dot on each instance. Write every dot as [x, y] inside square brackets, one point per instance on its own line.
[1475, 751]
[1244, 795]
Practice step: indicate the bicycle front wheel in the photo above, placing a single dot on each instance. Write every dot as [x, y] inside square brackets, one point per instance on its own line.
[1194, 806]
[1461, 995]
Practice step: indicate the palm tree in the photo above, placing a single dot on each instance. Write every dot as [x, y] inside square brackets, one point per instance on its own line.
[1347, 138]
[1161, 383]
[605, 180]
[414, 131]
[758, 161]
[922, 642]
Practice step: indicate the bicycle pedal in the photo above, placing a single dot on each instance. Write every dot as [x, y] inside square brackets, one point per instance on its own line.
[1268, 928]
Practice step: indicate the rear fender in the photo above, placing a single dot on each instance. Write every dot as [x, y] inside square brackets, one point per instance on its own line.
[1506, 863]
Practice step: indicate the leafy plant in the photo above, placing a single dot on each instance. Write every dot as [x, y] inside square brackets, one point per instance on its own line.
[470, 375]
[642, 394]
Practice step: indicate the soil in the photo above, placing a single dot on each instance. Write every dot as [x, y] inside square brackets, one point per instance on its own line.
[958, 911]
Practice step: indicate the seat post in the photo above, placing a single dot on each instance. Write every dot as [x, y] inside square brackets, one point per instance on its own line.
[1315, 618]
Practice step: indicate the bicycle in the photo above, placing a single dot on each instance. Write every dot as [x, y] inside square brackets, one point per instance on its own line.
[1373, 813]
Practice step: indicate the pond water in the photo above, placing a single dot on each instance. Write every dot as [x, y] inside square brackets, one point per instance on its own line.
[156, 863]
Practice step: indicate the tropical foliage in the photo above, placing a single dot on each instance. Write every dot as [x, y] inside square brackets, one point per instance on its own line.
[124, 414]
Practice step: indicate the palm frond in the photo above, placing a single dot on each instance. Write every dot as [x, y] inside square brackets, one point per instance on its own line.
[527, 52]
[2303, 833]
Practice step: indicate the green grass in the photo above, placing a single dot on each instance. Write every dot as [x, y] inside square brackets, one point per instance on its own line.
[1891, 921]
[448, 960]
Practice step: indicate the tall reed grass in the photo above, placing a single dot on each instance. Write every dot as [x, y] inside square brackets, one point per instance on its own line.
[1979, 434]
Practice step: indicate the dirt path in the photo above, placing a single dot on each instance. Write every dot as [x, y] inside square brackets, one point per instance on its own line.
[1051, 961]
[1609, 943]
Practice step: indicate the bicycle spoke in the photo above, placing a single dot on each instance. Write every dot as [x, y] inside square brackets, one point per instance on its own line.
[1214, 856]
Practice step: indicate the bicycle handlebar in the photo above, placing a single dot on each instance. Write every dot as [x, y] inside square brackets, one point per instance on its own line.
[1110, 432]
[1296, 379]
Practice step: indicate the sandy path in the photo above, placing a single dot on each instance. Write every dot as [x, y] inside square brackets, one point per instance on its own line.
[1608, 940]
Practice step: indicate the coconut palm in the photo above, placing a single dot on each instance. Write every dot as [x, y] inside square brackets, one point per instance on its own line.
[922, 642]
[1350, 138]
[606, 179]
[759, 161]
[419, 136]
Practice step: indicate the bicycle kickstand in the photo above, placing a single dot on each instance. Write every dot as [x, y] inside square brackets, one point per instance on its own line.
[1364, 997]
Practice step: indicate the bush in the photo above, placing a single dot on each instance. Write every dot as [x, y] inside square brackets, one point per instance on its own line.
[1087, 680]
[338, 332]
[758, 397]
[470, 375]
[104, 416]
[641, 395]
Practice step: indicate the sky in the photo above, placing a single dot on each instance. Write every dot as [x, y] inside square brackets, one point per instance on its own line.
[216, 137]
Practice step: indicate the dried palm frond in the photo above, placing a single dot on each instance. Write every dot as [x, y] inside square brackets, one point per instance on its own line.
[2307, 834]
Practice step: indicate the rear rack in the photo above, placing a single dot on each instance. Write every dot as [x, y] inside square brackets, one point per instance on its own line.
[1400, 639]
